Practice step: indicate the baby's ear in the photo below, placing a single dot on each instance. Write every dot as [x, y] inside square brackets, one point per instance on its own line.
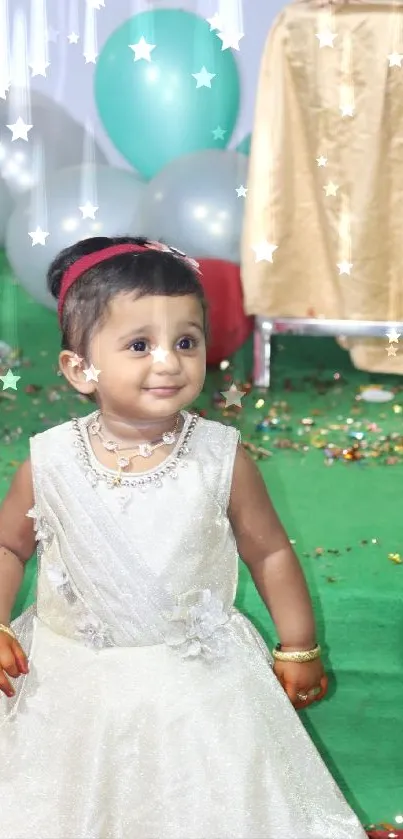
[77, 373]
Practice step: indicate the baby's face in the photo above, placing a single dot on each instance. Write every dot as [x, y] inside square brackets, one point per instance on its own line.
[133, 376]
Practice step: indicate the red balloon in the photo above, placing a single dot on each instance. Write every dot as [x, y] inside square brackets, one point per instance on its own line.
[229, 326]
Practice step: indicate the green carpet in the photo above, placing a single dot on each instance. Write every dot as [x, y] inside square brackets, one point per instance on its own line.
[345, 518]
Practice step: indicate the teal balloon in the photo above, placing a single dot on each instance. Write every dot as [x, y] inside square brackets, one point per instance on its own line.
[153, 111]
[244, 145]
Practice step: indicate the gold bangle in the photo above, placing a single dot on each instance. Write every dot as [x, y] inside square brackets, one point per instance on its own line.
[4, 628]
[298, 656]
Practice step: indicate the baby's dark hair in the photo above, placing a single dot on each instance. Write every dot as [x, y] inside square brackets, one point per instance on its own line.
[86, 305]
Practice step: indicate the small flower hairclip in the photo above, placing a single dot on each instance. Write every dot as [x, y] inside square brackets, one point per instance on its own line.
[160, 246]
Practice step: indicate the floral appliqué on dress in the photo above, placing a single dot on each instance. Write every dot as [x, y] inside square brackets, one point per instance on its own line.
[198, 626]
[44, 532]
[88, 628]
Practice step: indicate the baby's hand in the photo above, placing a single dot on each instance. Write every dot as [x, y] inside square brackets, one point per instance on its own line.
[13, 661]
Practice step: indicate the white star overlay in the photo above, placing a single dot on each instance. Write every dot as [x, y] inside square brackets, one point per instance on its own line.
[39, 68]
[38, 236]
[347, 110]
[241, 192]
[215, 22]
[73, 38]
[159, 354]
[264, 251]
[20, 130]
[142, 50]
[88, 210]
[96, 4]
[90, 57]
[344, 267]
[395, 59]
[321, 161]
[75, 361]
[91, 374]
[203, 78]
[331, 189]
[230, 40]
[233, 396]
[326, 38]
[10, 381]
[393, 336]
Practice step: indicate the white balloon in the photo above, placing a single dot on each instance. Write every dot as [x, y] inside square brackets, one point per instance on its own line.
[57, 137]
[193, 204]
[118, 195]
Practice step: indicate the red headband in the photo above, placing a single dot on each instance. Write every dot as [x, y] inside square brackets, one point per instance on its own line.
[89, 261]
[86, 262]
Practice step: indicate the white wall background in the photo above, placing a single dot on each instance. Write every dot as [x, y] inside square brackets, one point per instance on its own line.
[70, 80]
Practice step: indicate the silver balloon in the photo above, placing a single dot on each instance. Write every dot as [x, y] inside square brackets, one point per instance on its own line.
[117, 193]
[57, 136]
[6, 205]
[193, 204]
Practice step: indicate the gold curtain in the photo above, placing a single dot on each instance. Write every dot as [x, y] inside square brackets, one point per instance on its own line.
[342, 104]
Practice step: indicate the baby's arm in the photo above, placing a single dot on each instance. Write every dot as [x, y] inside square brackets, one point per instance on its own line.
[17, 538]
[265, 548]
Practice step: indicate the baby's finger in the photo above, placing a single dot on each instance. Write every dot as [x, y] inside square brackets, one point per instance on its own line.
[5, 685]
[324, 685]
[20, 658]
[9, 664]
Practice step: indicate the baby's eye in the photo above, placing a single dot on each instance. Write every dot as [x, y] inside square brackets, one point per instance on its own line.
[187, 343]
[139, 346]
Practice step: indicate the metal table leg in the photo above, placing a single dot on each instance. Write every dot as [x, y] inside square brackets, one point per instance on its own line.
[262, 352]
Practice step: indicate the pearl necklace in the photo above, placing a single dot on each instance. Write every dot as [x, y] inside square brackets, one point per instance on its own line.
[140, 450]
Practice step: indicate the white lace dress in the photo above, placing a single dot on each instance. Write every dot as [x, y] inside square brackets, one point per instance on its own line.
[150, 710]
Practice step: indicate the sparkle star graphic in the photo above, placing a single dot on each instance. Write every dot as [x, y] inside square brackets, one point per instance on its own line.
[393, 336]
[73, 38]
[241, 192]
[20, 130]
[233, 396]
[331, 189]
[142, 50]
[395, 59]
[321, 161]
[38, 236]
[264, 251]
[391, 351]
[88, 210]
[203, 78]
[347, 110]
[230, 40]
[39, 68]
[159, 354]
[91, 57]
[75, 361]
[344, 267]
[10, 381]
[218, 133]
[215, 22]
[96, 4]
[91, 374]
[326, 38]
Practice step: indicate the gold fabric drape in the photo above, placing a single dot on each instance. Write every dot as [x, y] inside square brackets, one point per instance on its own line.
[299, 119]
